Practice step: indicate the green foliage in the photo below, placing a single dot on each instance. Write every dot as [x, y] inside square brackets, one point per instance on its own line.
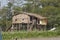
[17, 9]
[50, 2]
[50, 9]
[32, 34]
[10, 5]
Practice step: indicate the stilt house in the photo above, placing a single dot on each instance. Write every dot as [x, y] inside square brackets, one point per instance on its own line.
[28, 21]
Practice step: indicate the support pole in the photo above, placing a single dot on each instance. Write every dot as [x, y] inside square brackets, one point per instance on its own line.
[45, 28]
[16, 27]
[19, 26]
[12, 29]
[28, 27]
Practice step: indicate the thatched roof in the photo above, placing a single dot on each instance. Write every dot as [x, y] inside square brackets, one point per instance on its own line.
[32, 14]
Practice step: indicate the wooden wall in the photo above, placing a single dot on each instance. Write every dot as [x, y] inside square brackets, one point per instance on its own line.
[21, 18]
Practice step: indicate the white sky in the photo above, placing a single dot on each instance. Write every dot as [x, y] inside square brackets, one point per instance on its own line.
[3, 2]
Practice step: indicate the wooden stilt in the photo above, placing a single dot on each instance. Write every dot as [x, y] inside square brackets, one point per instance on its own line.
[38, 27]
[12, 29]
[41, 28]
[45, 28]
[16, 27]
[31, 27]
[19, 27]
[28, 27]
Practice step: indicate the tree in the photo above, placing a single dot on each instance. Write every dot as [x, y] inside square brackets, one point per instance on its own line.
[50, 9]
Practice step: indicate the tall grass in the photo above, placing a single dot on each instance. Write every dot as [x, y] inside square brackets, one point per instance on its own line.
[21, 34]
